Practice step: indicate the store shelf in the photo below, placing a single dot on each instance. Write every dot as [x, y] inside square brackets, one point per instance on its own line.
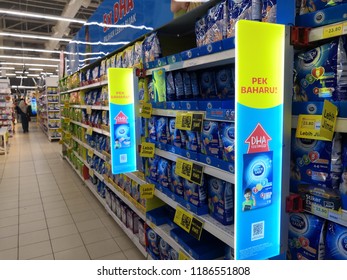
[90, 186]
[208, 169]
[126, 201]
[97, 130]
[53, 128]
[164, 232]
[327, 31]
[341, 124]
[133, 237]
[215, 59]
[100, 155]
[172, 113]
[91, 86]
[328, 214]
[136, 178]
[93, 107]
[224, 233]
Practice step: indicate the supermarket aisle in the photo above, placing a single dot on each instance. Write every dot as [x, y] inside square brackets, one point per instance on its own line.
[45, 210]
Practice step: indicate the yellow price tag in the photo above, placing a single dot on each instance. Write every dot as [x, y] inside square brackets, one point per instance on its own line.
[89, 110]
[89, 130]
[182, 256]
[183, 218]
[66, 104]
[184, 121]
[61, 142]
[147, 150]
[59, 130]
[189, 121]
[90, 153]
[67, 120]
[309, 127]
[147, 191]
[91, 172]
[329, 118]
[146, 110]
[333, 30]
[184, 168]
[68, 135]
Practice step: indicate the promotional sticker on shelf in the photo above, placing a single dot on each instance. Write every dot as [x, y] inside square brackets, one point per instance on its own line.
[146, 110]
[189, 121]
[147, 191]
[189, 170]
[259, 93]
[122, 120]
[147, 150]
[188, 222]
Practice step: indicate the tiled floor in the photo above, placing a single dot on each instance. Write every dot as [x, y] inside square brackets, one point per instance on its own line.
[47, 213]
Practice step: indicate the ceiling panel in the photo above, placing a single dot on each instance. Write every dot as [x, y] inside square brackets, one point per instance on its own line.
[14, 24]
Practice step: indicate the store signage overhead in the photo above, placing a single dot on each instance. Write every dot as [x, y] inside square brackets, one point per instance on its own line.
[259, 129]
[122, 120]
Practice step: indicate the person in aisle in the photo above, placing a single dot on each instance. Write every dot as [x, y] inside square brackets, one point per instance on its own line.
[23, 111]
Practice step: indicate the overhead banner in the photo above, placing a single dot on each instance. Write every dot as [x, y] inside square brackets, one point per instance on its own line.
[122, 120]
[259, 129]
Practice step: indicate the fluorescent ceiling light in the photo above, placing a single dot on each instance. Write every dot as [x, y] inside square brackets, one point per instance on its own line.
[25, 87]
[29, 64]
[10, 74]
[21, 77]
[6, 68]
[33, 75]
[42, 16]
[35, 69]
[40, 37]
[30, 57]
[21, 72]
[54, 76]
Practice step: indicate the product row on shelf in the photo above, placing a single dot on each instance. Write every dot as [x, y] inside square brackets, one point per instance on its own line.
[7, 116]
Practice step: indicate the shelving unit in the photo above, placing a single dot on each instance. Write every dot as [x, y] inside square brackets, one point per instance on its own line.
[6, 107]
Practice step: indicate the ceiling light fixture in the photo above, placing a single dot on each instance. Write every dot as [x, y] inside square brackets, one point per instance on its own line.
[29, 64]
[6, 68]
[42, 16]
[40, 37]
[24, 87]
[35, 69]
[30, 58]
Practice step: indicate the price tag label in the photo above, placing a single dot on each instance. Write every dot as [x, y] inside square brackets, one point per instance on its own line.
[189, 121]
[332, 31]
[328, 122]
[309, 127]
[91, 172]
[89, 110]
[147, 150]
[67, 120]
[68, 135]
[60, 130]
[66, 104]
[61, 142]
[90, 153]
[146, 110]
[147, 191]
[89, 130]
[319, 210]
[183, 256]
[189, 170]
[188, 222]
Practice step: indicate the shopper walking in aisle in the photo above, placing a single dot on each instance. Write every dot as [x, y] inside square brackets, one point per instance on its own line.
[23, 111]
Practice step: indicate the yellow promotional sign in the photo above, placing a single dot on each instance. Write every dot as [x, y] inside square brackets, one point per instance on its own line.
[89, 110]
[147, 191]
[91, 172]
[89, 130]
[146, 110]
[333, 30]
[90, 153]
[189, 121]
[189, 170]
[119, 92]
[260, 86]
[147, 150]
[182, 256]
[329, 118]
[66, 104]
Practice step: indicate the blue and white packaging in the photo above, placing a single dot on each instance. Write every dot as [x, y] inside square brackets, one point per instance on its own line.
[336, 242]
[152, 133]
[221, 200]
[211, 143]
[173, 254]
[257, 180]
[269, 12]
[164, 249]
[195, 194]
[316, 161]
[153, 242]
[153, 167]
[207, 84]
[195, 84]
[192, 141]
[200, 32]
[227, 136]
[216, 23]
[317, 5]
[224, 83]
[320, 74]
[305, 237]
[162, 130]
[163, 170]
[187, 87]
[170, 87]
[179, 85]
[176, 182]
[122, 136]
[151, 48]
[175, 134]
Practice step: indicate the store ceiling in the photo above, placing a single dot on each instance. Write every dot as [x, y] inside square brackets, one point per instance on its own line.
[12, 48]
